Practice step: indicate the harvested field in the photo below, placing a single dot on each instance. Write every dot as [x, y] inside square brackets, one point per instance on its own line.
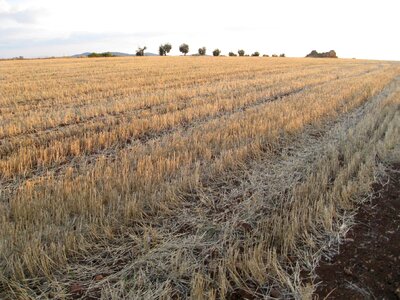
[185, 177]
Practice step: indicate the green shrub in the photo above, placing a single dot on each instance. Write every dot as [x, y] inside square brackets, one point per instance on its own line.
[104, 54]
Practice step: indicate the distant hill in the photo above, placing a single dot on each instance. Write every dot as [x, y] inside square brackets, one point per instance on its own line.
[150, 54]
[118, 54]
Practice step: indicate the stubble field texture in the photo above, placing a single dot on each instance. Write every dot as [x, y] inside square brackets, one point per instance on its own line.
[185, 177]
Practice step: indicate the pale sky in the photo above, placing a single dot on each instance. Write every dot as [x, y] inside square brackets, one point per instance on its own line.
[354, 28]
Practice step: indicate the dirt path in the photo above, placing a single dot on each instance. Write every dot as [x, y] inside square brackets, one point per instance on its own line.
[367, 266]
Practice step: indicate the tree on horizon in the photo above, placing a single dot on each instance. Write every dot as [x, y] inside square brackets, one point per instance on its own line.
[202, 51]
[140, 51]
[216, 52]
[184, 48]
[164, 49]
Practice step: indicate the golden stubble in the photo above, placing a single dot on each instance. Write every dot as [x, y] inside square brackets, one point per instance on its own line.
[91, 148]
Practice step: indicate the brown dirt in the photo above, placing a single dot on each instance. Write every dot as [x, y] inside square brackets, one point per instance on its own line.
[368, 263]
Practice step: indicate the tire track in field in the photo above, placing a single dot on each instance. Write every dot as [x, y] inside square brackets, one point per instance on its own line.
[189, 82]
[115, 100]
[10, 186]
[111, 153]
[218, 77]
[9, 147]
[96, 128]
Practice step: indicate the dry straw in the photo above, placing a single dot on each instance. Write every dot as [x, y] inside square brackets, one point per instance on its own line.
[182, 178]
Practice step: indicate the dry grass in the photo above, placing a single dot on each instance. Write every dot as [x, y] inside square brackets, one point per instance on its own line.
[183, 177]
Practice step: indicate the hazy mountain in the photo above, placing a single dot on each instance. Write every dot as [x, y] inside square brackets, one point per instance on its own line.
[150, 54]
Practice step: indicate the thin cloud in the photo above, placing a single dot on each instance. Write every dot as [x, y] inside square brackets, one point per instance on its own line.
[13, 14]
[79, 37]
[13, 38]
[26, 16]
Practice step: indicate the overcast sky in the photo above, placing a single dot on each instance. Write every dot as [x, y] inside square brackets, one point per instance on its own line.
[354, 28]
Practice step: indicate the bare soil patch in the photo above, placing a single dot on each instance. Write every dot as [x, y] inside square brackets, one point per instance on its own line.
[367, 266]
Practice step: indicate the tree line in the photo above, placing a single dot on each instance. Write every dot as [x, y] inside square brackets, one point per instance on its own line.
[164, 49]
